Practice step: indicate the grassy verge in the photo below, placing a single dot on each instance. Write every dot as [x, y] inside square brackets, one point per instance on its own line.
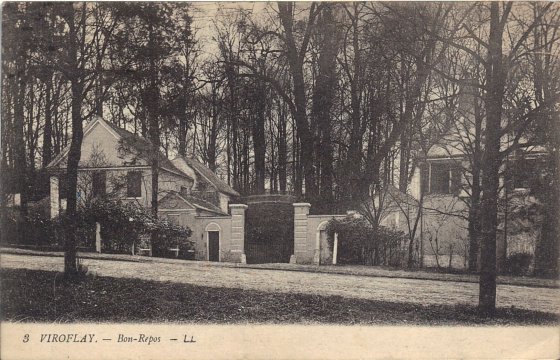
[30, 295]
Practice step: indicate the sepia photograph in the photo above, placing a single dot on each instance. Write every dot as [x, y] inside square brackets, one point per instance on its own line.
[279, 180]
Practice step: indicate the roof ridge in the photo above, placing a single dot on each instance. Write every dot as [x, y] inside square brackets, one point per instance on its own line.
[208, 205]
[168, 164]
[209, 175]
[164, 162]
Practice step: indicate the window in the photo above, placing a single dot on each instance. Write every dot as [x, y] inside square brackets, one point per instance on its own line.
[134, 184]
[445, 178]
[524, 173]
[439, 180]
[99, 183]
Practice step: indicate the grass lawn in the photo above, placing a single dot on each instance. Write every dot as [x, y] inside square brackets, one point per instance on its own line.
[43, 296]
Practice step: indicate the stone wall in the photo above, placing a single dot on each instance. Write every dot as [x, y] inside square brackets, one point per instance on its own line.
[317, 235]
[231, 229]
[310, 241]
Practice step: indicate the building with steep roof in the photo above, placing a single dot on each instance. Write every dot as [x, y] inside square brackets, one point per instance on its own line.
[117, 162]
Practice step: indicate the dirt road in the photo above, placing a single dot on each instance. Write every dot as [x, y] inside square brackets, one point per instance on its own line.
[353, 286]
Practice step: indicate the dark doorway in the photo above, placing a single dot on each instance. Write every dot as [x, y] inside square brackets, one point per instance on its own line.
[213, 245]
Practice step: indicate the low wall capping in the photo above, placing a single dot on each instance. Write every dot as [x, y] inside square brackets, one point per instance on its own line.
[330, 216]
[269, 198]
[238, 206]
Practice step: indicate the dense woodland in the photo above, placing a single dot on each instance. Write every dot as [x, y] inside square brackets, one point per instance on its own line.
[323, 100]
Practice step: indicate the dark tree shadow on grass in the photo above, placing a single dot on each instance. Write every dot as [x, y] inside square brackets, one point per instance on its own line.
[44, 296]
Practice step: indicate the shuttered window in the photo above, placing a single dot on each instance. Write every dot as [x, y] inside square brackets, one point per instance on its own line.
[134, 184]
[99, 183]
[439, 180]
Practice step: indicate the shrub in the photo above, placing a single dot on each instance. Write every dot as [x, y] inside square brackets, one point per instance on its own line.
[360, 243]
[33, 229]
[518, 264]
[122, 225]
[170, 236]
[83, 225]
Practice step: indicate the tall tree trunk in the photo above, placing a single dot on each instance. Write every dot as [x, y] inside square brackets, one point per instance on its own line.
[273, 163]
[183, 127]
[20, 158]
[304, 135]
[232, 124]
[245, 169]
[474, 222]
[474, 209]
[297, 170]
[4, 165]
[211, 151]
[259, 141]
[295, 61]
[57, 131]
[282, 148]
[153, 131]
[491, 162]
[547, 247]
[98, 68]
[323, 99]
[30, 112]
[74, 73]
[236, 155]
[404, 161]
[47, 132]
[182, 150]
[228, 152]
[74, 154]
[355, 145]
[99, 88]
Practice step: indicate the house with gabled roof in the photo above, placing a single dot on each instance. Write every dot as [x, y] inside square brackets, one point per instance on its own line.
[207, 185]
[442, 182]
[114, 160]
[117, 162]
[440, 192]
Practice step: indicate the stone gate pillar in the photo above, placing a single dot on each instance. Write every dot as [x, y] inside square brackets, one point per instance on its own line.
[238, 230]
[54, 194]
[301, 210]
